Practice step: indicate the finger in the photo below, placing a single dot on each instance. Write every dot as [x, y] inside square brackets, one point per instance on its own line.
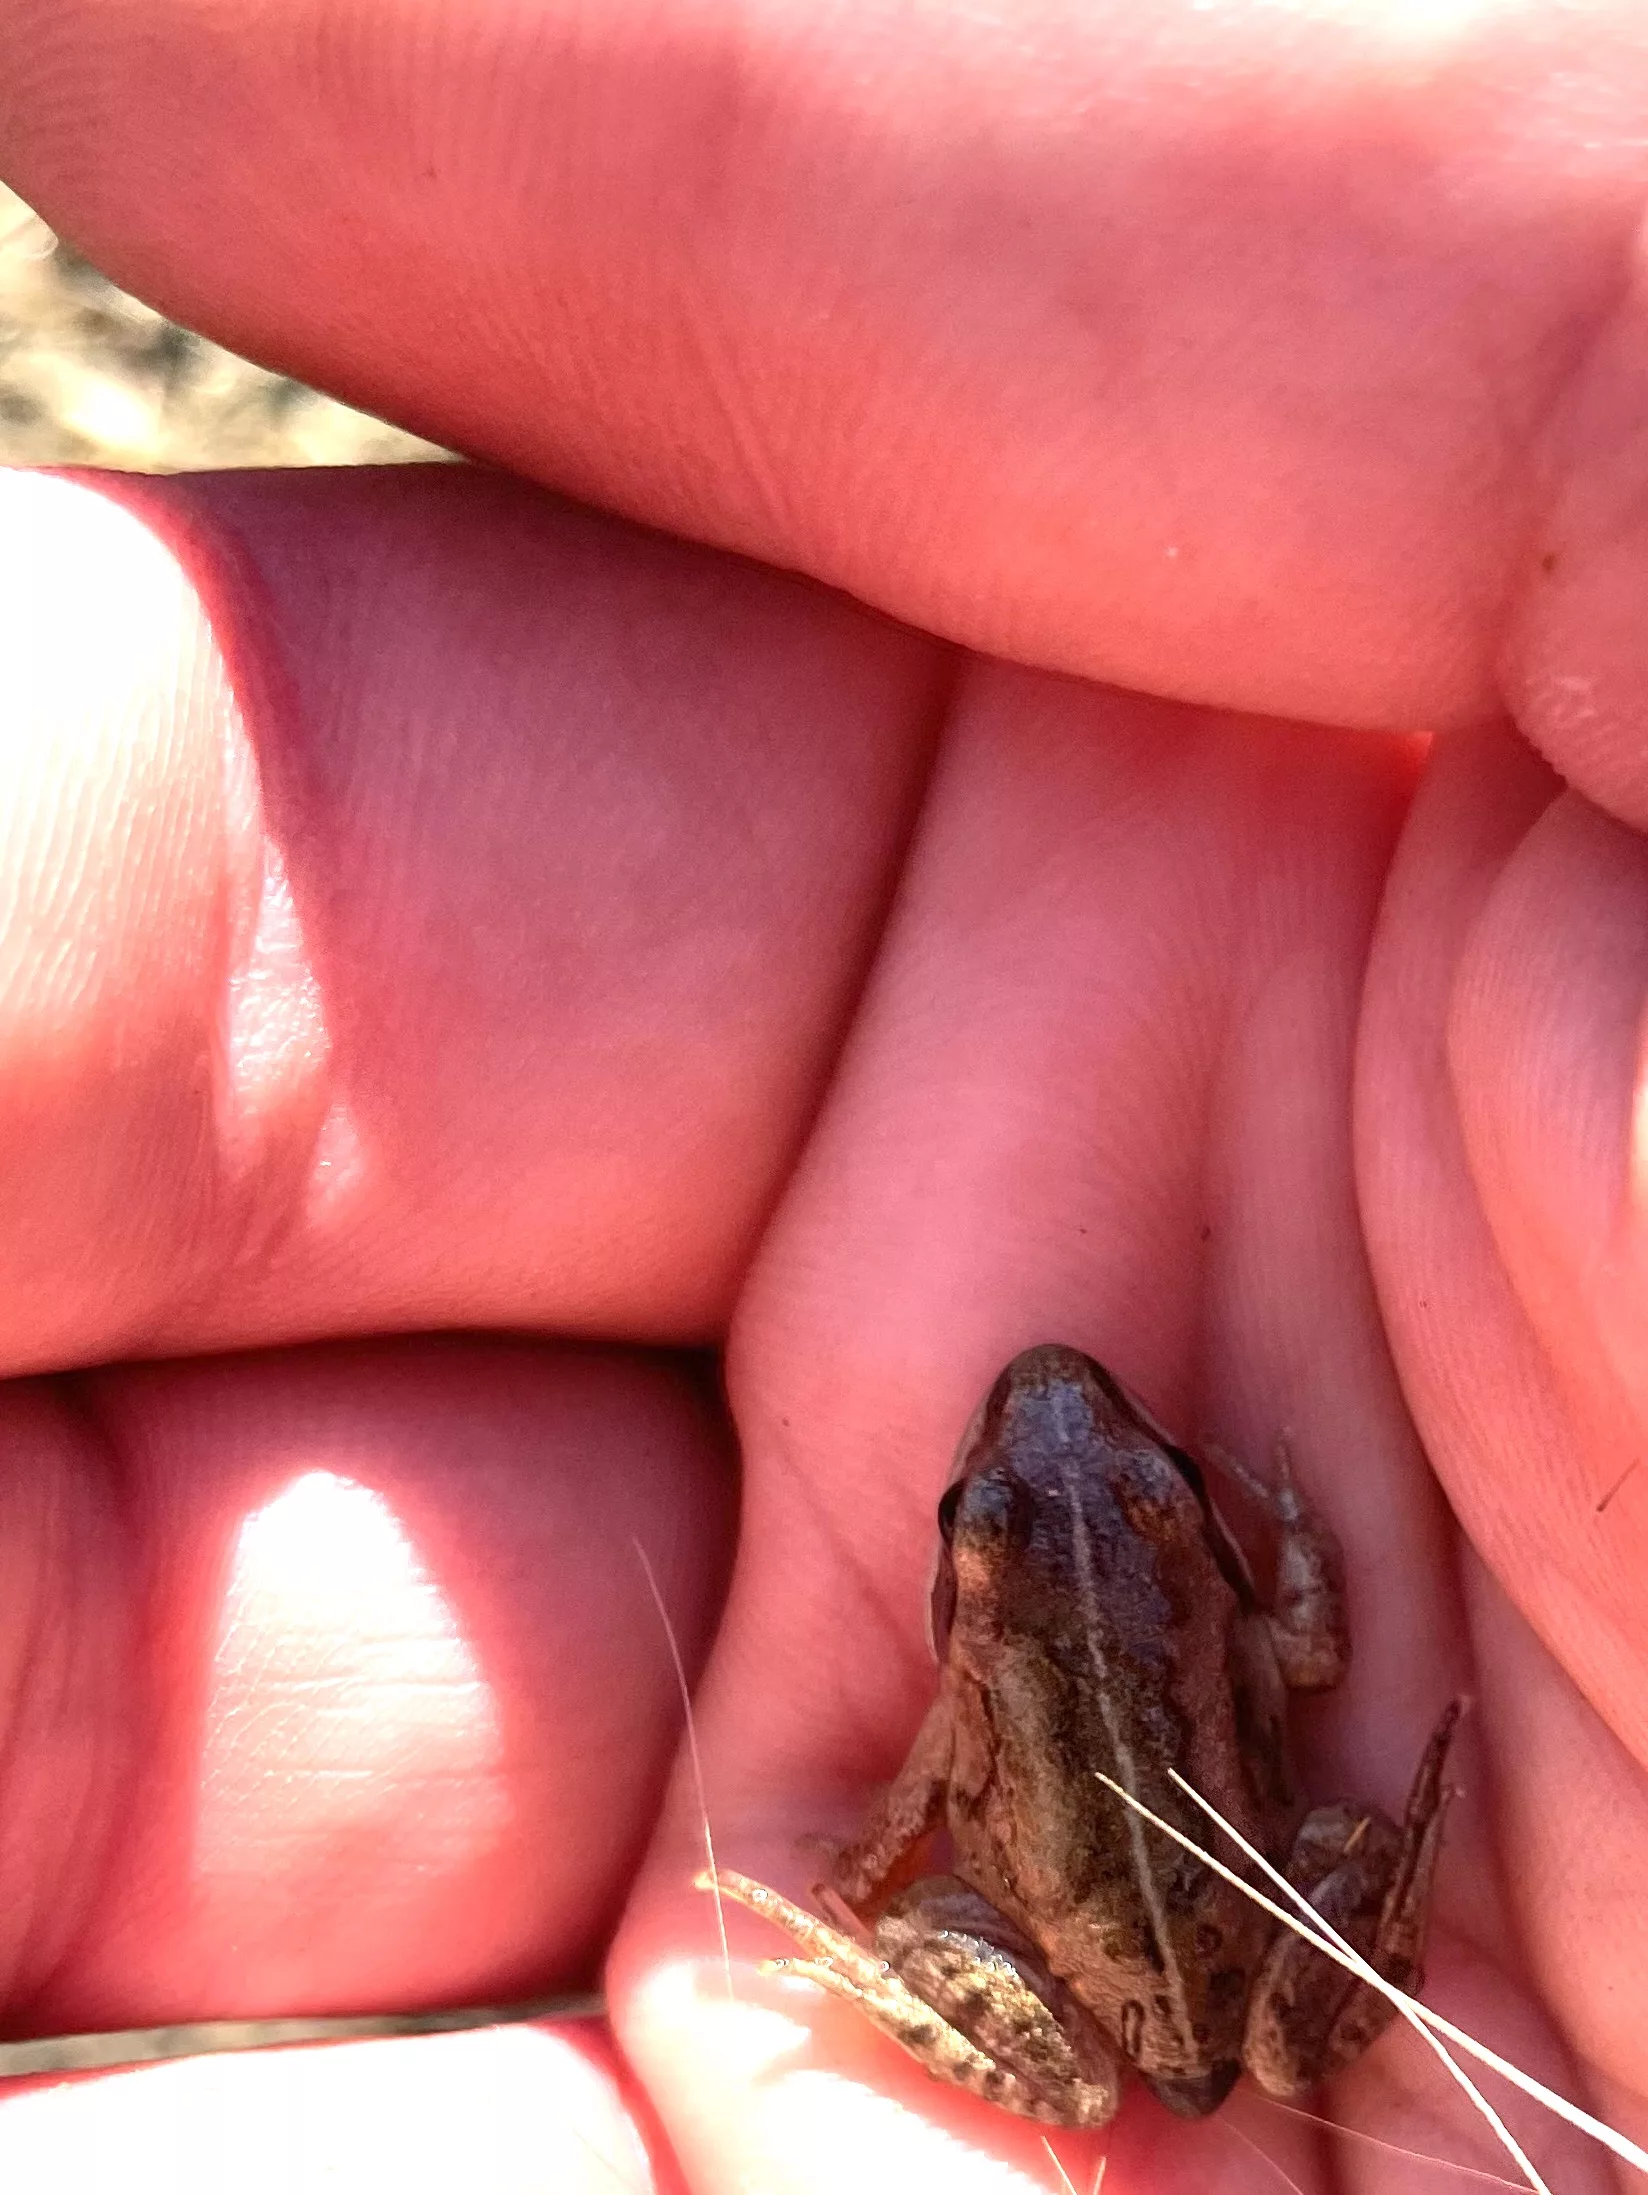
[1573, 1802]
[1497, 1105]
[1500, 1102]
[1062, 340]
[333, 1678]
[431, 906]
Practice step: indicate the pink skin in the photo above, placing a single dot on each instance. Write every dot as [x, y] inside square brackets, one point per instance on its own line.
[429, 906]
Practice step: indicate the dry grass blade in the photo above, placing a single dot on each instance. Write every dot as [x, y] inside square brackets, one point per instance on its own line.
[1359, 2134]
[1421, 2014]
[1065, 2180]
[1286, 2178]
[711, 1870]
[1331, 1947]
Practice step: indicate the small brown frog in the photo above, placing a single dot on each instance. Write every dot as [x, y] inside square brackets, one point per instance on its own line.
[1091, 1612]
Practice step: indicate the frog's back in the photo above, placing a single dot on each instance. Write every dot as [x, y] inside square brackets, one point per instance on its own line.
[1106, 1643]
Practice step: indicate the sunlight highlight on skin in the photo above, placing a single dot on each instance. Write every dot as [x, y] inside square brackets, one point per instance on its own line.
[277, 1112]
[276, 1041]
[753, 2038]
[514, 2111]
[339, 1162]
[341, 1661]
[801, 2101]
[87, 705]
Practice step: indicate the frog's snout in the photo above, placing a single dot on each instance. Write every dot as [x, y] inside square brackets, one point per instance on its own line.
[1194, 2095]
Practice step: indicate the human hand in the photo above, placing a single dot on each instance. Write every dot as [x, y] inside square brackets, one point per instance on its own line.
[438, 908]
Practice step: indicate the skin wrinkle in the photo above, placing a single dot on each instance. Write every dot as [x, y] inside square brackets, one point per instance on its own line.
[929, 739]
[1546, 1146]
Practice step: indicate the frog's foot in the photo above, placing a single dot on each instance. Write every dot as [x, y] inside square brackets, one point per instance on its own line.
[953, 1984]
[1307, 2017]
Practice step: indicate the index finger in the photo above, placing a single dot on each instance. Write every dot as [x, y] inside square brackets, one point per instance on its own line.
[430, 906]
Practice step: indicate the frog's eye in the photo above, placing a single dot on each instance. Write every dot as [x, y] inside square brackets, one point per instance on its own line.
[941, 1586]
[948, 1503]
[941, 1596]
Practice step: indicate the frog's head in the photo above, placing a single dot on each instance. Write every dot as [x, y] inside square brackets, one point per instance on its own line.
[1051, 1401]
[1054, 1396]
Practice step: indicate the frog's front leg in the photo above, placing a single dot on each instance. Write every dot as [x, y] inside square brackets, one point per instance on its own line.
[1306, 1617]
[1307, 2017]
[890, 1849]
[953, 1983]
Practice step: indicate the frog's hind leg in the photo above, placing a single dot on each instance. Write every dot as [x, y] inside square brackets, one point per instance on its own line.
[966, 1959]
[1307, 2017]
[951, 1982]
